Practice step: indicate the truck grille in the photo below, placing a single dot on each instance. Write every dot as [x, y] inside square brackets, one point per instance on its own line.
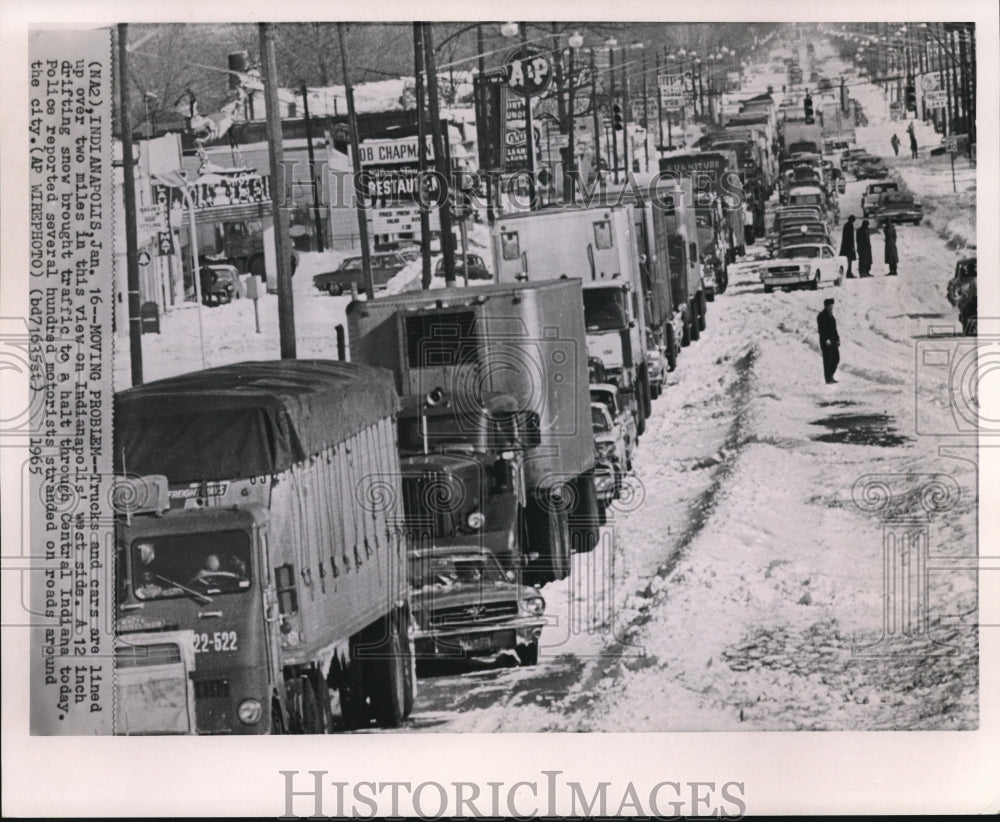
[141, 656]
[478, 612]
[211, 688]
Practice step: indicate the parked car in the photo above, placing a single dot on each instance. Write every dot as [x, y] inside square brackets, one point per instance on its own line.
[609, 442]
[656, 367]
[607, 394]
[477, 268]
[873, 168]
[900, 208]
[385, 266]
[219, 284]
[962, 294]
[872, 193]
[803, 266]
[958, 285]
[464, 604]
[810, 236]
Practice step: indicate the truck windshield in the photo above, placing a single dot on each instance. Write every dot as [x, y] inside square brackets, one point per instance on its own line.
[604, 309]
[450, 570]
[166, 567]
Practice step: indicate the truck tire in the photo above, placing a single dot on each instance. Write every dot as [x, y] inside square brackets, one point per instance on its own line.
[278, 726]
[671, 349]
[584, 521]
[354, 710]
[388, 677]
[528, 654]
[645, 399]
[686, 332]
[814, 284]
[312, 712]
[695, 332]
[722, 281]
[703, 313]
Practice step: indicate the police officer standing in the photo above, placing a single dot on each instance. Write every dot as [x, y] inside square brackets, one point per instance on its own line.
[829, 340]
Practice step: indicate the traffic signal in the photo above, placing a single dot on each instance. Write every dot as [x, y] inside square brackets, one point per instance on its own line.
[616, 117]
[809, 106]
[911, 97]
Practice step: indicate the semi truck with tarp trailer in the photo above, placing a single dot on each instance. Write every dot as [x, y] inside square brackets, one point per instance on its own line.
[261, 517]
[501, 370]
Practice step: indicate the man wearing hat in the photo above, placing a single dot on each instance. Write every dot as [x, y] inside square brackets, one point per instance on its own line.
[829, 340]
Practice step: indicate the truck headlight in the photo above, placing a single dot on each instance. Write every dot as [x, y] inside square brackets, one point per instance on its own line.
[477, 519]
[250, 711]
[535, 606]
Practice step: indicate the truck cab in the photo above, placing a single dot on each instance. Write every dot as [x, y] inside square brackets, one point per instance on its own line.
[206, 569]
[463, 472]
[597, 246]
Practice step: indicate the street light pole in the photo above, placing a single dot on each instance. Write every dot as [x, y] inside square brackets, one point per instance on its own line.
[596, 116]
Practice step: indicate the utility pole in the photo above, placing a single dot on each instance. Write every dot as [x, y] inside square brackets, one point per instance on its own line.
[626, 105]
[571, 169]
[318, 220]
[645, 110]
[529, 127]
[614, 131]
[440, 158]
[659, 107]
[131, 240]
[276, 156]
[425, 219]
[481, 51]
[597, 117]
[359, 195]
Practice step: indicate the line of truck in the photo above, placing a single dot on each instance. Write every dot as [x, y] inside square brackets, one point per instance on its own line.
[273, 509]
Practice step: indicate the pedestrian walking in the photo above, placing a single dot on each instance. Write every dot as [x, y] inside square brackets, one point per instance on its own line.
[847, 245]
[891, 254]
[913, 141]
[895, 143]
[863, 241]
[748, 222]
[829, 340]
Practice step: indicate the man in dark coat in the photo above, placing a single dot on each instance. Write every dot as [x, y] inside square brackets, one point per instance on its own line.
[913, 141]
[864, 246]
[891, 255]
[847, 244]
[895, 143]
[829, 340]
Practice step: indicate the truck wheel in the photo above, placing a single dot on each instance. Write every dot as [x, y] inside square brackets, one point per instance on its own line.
[388, 692]
[695, 332]
[277, 719]
[644, 395]
[671, 349]
[814, 285]
[410, 693]
[686, 332]
[322, 694]
[722, 282]
[703, 314]
[528, 654]
[256, 266]
[354, 712]
[312, 715]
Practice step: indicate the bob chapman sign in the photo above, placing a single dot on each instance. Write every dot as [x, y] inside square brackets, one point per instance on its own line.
[399, 152]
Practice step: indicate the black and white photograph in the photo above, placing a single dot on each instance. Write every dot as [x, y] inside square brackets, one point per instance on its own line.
[389, 384]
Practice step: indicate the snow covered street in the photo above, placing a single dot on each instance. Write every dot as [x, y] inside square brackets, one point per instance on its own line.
[749, 580]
